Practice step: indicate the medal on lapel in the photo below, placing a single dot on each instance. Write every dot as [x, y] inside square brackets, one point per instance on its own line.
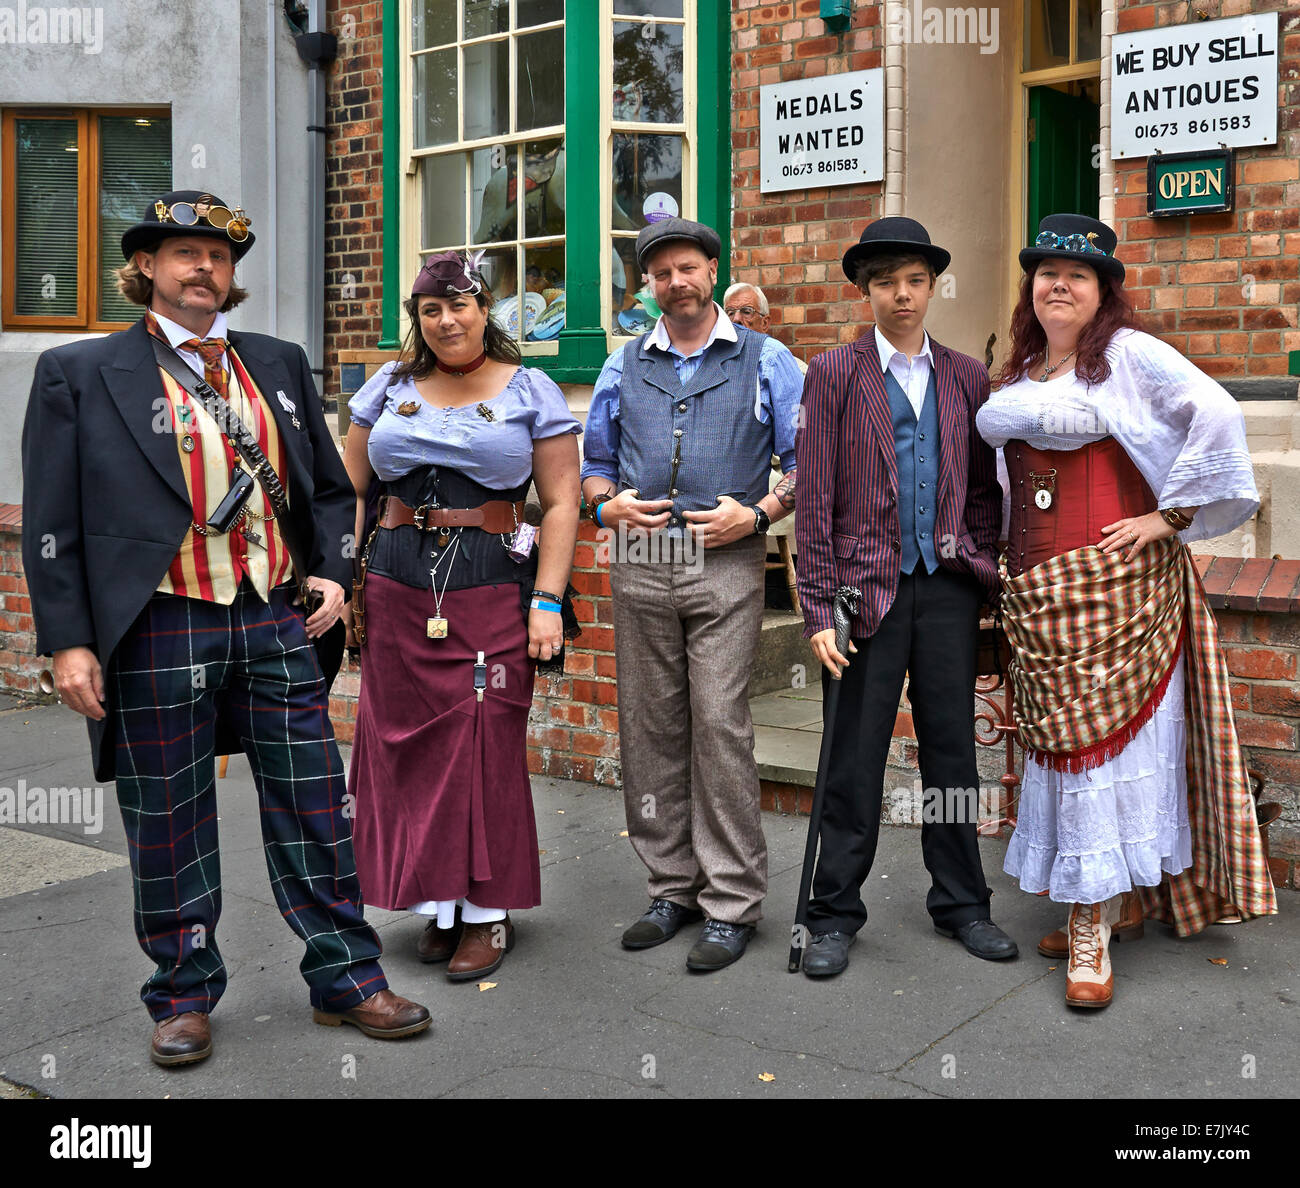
[1044, 485]
[408, 408]
[187, 444]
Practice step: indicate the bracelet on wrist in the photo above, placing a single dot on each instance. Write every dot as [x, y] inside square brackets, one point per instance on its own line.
[1175, 519]
[542, 604]
[547, 595]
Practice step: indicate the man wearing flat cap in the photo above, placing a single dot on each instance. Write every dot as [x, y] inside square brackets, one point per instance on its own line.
[683, 425]
[899, 497]
[180, 486]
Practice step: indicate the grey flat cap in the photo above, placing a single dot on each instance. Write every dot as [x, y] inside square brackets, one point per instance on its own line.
[655, 235]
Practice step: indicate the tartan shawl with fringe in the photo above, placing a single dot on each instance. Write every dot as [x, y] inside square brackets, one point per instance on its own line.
[1094, 643]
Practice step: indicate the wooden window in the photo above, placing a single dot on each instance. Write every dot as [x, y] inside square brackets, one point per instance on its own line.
[487, 150]
[590, 110]
[74, 180]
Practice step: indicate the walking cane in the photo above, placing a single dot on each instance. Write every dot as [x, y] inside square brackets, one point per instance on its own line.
[847, 599]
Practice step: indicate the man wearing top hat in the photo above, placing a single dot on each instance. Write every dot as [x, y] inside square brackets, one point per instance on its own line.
[898, 496]
[683, 425]
[162, 582]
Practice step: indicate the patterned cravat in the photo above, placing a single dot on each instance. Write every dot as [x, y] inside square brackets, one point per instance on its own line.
[210, 350]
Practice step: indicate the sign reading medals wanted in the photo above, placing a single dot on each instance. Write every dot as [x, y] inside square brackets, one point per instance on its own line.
[827, 131]
[1207, 85]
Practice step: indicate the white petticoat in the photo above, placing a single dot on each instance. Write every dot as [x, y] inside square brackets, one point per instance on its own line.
[1085, 836]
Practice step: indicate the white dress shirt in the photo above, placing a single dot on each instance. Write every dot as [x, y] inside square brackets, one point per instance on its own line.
[913, 375]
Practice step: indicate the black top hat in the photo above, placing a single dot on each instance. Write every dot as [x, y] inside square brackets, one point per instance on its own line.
[207, 215]
[1074, 237]
[894, 236]
[655, 235]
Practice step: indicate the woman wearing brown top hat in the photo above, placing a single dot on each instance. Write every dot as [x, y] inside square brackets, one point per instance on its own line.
[459, 607]
[1119, 452]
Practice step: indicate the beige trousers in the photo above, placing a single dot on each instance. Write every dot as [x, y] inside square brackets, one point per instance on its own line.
[685, 636]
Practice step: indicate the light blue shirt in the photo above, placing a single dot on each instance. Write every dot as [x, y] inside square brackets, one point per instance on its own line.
[776, 402]
[490, 442]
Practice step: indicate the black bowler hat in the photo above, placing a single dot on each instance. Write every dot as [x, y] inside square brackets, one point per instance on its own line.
[1074, 237]
[655, 235]
[894, 236]
[189, 212]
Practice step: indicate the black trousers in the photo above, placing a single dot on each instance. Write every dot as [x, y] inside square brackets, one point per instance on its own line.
[927, 635]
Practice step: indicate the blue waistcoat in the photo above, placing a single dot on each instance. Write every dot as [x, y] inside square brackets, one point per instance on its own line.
[916, 445]
[708, 424]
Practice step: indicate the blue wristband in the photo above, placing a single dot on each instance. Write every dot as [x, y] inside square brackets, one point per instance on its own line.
[539, 604]
[596, 514]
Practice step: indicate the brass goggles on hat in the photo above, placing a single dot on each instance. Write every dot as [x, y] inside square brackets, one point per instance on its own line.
[187, 214]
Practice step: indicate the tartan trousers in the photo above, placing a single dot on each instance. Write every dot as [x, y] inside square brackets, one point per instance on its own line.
[184, 665]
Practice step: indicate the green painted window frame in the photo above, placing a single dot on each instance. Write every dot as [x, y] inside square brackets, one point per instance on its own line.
[582, 343]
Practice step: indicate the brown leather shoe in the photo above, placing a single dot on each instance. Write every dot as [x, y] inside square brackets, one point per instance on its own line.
[482, 948]
[181, 1039]
[437, 944]
[1057, 944]
[384, 1016]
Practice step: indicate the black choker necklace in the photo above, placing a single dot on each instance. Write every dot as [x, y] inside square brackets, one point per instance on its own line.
[474, 366]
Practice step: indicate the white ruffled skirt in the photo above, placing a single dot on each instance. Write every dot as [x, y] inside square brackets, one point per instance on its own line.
[1085, 836]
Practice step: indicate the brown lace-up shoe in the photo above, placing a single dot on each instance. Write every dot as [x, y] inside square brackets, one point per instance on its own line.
[437, 944]
[181, 1039]
[1129, 927]
[384, 1016]
[482, 948]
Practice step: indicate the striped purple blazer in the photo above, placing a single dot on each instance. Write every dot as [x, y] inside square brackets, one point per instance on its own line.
[846, 514]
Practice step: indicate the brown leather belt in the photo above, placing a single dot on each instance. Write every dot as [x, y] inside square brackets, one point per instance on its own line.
[498, 516]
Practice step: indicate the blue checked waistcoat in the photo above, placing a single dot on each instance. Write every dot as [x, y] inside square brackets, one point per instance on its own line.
[709, 421]
[916, 446]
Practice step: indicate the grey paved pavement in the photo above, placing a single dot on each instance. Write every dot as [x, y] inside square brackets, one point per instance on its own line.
[573, 1014]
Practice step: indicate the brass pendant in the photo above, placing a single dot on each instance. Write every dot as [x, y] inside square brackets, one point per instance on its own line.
[408, 408]
[436, 628]
[1044, 484]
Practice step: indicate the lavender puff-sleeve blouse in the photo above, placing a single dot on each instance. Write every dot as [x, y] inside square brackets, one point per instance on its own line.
[496, 453]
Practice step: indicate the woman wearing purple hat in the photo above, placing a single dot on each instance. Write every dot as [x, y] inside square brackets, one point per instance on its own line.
[458, 607]
[1119, 452]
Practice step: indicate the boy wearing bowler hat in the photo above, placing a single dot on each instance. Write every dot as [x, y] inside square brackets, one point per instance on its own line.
[898, 496]
[180, 485]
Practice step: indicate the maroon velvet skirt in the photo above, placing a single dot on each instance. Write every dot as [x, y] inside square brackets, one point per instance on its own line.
[444, 808]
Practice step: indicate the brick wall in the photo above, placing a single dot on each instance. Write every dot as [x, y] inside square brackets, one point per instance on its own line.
[573, 727]
[19, 664]
[1257, 606]
[1224, 289]
[792, 244]
[353, 184]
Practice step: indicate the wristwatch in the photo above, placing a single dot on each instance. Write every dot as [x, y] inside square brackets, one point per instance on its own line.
[762, 521]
